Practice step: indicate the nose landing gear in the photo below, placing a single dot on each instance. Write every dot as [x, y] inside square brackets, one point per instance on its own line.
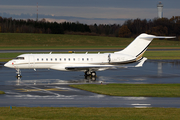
[18, 76]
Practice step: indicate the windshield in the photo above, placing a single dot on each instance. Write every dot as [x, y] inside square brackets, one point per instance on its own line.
[19, 58]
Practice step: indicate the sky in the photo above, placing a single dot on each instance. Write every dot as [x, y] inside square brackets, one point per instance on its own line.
[87, 11]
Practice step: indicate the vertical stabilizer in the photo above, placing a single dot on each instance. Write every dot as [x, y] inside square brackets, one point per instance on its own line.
[139, 45]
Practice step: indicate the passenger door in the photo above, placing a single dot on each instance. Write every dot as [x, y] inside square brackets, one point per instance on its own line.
[31, 61]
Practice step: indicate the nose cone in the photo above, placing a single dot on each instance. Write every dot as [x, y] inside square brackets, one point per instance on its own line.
[8, 64]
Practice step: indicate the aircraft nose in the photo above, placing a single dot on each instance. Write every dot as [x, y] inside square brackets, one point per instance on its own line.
[8, 65]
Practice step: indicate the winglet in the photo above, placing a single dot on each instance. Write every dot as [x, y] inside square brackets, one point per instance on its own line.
[141, 62]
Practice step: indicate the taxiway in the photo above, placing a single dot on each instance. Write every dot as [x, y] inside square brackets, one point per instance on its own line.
[50, 88]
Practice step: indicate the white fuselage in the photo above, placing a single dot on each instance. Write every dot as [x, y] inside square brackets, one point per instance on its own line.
[61, 61]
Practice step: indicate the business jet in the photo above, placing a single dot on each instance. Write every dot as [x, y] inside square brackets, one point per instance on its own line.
[89, 63]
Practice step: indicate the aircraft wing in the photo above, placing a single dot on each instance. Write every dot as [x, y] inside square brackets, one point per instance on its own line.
[103, 67]
[94, 68]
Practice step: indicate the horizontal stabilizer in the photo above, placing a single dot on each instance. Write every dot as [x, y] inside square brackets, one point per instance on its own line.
[141, 62]
[158, 37]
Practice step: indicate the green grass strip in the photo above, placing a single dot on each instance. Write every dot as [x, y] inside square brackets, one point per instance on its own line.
[1, 92]
[165, 54]
[73, 113]
[61, 47]
[171, 55]
[136, 90]
[46, 40]
[58, 41]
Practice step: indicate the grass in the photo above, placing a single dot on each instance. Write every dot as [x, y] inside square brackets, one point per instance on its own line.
[59, 47]
[1, 92]
[58, 41]
[72, 113]
[174, 54]
[136, 90]
[23, 41]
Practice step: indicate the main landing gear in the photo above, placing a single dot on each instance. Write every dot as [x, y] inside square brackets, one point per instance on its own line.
[91, 74]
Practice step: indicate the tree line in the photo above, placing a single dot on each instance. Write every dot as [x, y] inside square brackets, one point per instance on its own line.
[163, 26]
[9, 25]
[130, 28]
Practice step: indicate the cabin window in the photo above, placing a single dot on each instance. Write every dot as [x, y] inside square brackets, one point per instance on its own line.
[46, 59]
[51, 59]
[74, 59]
[87, 59]
[82, 59]
[37, 59]
[55, 59]
[64, 59]
[60, 59]
[42, 59]
[69, 59]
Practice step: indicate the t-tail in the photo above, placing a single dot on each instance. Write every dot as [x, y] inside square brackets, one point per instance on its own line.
[138, 47]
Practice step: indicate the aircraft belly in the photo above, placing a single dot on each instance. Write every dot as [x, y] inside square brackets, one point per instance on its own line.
[22, 66]
[32, 66]
[43, 66]
[58, 67]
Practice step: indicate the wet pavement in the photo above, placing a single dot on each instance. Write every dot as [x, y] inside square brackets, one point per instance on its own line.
[153, 71]
[65, 96]
[50, 88]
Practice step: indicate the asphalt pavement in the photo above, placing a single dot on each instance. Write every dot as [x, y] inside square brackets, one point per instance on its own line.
[50, 88]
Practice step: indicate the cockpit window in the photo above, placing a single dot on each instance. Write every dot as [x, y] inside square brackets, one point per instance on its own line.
[19, 58]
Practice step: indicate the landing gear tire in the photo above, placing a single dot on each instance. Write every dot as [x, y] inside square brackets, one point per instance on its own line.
[93, 74]
[18, 76]
[87, 73]
[90, 75]
[93, 78]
